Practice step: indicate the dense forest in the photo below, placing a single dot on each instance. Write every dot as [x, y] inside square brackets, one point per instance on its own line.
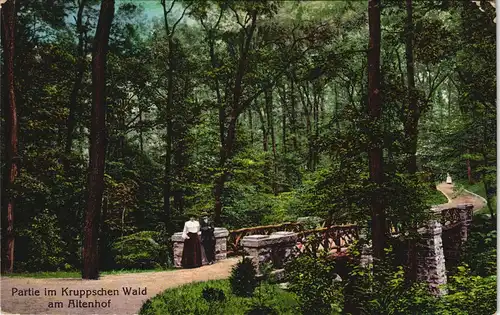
[122, 118]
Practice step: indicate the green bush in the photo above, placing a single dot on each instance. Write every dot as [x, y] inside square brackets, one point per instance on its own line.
[388, 292]
[262, 310]
[243, 278]
[469, 294]
[480, 250]
[315, 282]
[45, 245]
[213, 294]
[141, 250]
[188, 299]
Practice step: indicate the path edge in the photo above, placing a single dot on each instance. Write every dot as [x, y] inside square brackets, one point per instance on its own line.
[477, 196]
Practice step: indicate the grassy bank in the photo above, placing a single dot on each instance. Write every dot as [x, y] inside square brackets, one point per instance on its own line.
[189, 299]
[435, 197]
[477, 188]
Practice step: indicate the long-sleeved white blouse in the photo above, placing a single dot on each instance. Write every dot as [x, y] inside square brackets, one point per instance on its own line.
[191, 227]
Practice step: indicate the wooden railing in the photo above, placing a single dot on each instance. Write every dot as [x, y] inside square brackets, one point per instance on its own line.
[334, 239]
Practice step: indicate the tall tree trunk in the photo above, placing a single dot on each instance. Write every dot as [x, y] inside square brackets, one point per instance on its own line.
[283, 122]
[265, 138]
[238, 106]
[337, 107]
[12, 160]
[103, 242]
[250, 114]
[270, 127]
[449, 99]
[413, 114]
[95, 186]
[141, 137]
[411, 123]
[293, 118]
[73, 99]
[374, 110]
[167, 184]
[316, 128]
[307, 113]
[469, 171]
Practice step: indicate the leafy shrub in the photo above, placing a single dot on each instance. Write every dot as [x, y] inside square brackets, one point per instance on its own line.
[481, 247]
[140, 250]
[188, 299]
[314, 280]
[213, 294]
[262, 310]
[469, 294]
[386, 293]
[45, 245]
[243, 278]
[147, 307]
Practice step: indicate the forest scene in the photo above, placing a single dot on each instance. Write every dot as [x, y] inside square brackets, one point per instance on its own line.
[123, 119]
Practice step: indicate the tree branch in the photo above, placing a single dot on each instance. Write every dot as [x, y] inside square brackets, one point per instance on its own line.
[182, 15]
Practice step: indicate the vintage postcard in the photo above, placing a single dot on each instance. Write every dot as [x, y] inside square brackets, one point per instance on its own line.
[248, 157]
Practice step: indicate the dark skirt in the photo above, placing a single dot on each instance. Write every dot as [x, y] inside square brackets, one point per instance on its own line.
[191, 254]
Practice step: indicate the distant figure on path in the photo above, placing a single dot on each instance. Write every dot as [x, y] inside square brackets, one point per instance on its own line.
[448, 178]
[208, 237]
[191, 254]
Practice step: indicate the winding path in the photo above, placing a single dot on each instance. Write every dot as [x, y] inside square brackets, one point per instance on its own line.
[154, 282]
[466, 197]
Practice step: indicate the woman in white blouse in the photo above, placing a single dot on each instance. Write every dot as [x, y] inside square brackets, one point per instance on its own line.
[191, 254]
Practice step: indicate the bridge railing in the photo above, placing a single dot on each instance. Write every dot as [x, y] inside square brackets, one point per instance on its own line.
[334, 239]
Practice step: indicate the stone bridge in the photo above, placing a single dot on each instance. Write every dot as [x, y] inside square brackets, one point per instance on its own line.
[437, 250]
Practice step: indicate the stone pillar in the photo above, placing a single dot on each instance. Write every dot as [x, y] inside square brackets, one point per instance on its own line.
[366, 259]
[178, 247]
[276, 248]
[466, 220]
[221, 235]
[220, 246]
[430, 258]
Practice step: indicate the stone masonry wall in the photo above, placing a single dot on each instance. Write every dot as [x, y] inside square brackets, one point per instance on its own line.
[430, 258]
[277, 248]
[454, 238]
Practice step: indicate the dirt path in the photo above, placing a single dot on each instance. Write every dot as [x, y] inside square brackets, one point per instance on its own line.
[154, 282]
[465, 197]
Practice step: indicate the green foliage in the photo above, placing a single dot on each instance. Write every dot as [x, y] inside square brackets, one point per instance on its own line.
[469, 294]
[262, 310]
[70, 273]
[213, 294]
[243, 278]
[141, 250]
[45, 245]
[435, 197]
[188, 299]
[384, 291]
[215, 297]
[480, 251]
[314, 280]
